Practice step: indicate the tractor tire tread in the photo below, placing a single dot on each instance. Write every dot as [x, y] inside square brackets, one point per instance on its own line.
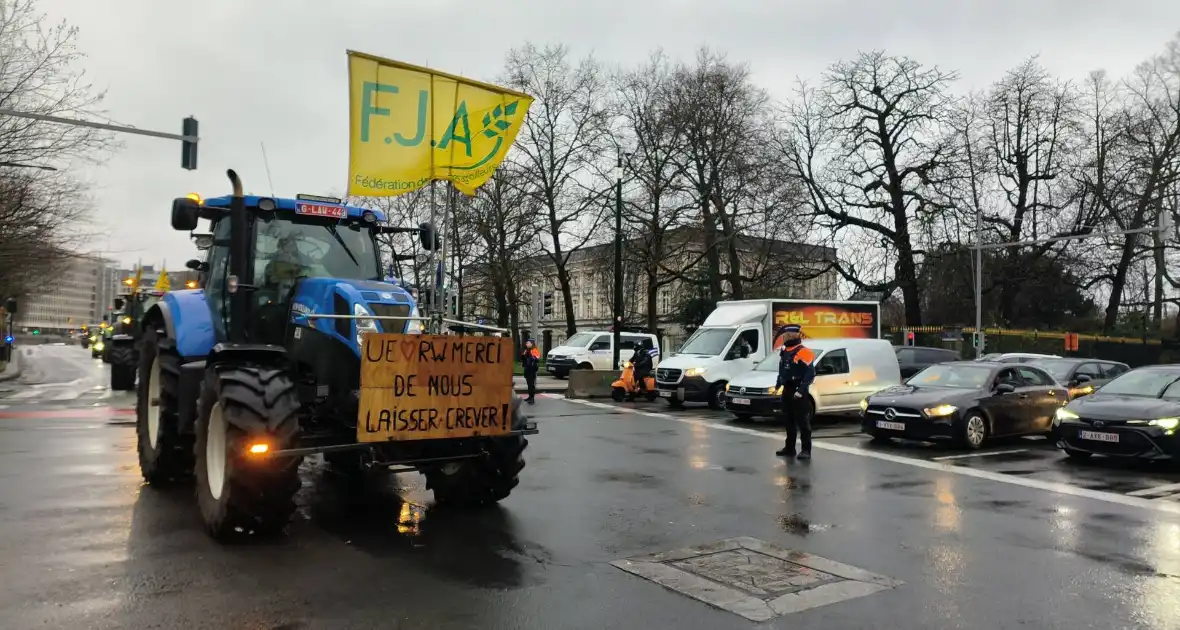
[486, 480]
[173, 458]
[256, 401]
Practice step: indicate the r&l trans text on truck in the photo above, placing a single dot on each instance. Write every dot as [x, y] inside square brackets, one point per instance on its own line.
[295, 346]
[713, 355]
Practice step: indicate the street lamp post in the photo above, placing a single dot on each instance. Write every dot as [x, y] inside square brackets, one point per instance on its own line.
[618, 260]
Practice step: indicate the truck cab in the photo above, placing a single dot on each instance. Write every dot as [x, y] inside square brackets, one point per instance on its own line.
[732, 340]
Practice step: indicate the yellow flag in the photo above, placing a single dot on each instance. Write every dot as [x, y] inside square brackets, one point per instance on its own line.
[138, 277]
[409, 125]
[163, 284]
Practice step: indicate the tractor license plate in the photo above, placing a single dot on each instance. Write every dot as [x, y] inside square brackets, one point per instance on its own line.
[665, 393]
[740, 401]
[1098, 436]
[892, 426]
[427, 387]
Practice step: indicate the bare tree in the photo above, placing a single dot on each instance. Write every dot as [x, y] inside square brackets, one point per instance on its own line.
[1145, 165]
[724, 118]
[873, 149]
[500, 222]
[41, 215]
[562, 149]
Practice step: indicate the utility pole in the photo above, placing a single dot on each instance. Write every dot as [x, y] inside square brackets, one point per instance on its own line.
[978, 283]
[618, 262]
[535, 309]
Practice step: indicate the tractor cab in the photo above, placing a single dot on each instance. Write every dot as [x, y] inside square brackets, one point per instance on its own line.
[304, 259]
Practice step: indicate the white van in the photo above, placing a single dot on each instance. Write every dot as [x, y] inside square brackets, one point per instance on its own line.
[712, 356]
[594, 350]
[846, 371]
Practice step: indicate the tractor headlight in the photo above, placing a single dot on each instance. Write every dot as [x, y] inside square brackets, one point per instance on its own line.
[414, 326]
[364, 323]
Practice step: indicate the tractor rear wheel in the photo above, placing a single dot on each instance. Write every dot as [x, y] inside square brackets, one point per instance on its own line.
[241, 406]
[123, 368]
[164, 454]
[484, 480]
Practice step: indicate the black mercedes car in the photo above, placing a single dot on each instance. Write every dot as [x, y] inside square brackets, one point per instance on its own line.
[1135, 415]
[966, 401]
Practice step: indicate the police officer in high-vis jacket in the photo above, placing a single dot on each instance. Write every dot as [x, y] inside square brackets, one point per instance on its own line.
[795, 375]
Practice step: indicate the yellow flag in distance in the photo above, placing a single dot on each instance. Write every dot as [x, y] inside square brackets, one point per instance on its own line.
[409, 125]
[162, 283]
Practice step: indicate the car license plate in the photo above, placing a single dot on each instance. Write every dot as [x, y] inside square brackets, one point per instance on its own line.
[740, 401]
[665, 393]
[1098, 436]
[892, 426]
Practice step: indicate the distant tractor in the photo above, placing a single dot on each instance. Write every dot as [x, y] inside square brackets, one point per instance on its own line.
[122, 349]
[276, 357]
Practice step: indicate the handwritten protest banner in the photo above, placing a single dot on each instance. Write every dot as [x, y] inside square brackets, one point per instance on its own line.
[425, 387]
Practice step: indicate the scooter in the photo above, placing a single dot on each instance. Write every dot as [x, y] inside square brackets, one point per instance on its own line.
[626, 386]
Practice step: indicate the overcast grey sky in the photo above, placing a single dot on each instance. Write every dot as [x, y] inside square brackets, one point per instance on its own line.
[274, 71]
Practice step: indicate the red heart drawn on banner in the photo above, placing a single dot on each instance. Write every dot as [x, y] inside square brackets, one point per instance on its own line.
[409, 347]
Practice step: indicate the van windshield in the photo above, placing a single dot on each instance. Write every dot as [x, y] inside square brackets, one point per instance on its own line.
[708, 341]
[579, 340]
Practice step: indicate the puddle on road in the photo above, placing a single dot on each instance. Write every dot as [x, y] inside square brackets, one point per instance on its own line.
[799, 524]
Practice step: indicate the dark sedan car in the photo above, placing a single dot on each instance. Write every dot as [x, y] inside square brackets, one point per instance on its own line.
[966, 401]
[914, 359]
[1082, 376]
[1135, 415]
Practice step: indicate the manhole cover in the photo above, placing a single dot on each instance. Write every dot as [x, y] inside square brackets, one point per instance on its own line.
[755, 579]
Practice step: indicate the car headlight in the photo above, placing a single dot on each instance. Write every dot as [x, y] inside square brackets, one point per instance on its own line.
[414, 326]
[1062, 414]
[99, 346]
[864, 404]
[774, 390]
[694, 371]
[939, 411]
[364, 325]
[1166, 424]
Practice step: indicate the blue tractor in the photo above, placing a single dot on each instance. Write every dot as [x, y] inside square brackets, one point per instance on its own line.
[265, 358]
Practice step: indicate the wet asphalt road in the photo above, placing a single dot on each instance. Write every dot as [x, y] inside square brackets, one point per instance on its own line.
[1009, 540]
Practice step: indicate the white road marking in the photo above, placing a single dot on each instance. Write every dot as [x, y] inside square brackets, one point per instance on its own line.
[1018, 450]
[1168, 507]
[1157, 491]
[66, 395]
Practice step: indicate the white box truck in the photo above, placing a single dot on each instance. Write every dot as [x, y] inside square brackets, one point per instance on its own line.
[711, 357]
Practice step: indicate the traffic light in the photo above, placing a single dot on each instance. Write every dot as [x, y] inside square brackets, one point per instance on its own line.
[548, 310]
[188, 148]
[909, 338]
[36, 331]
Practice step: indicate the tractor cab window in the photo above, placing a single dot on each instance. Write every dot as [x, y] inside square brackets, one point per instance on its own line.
[287, 250]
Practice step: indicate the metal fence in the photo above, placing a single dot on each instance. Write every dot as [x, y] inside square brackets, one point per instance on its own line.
[1132, 351]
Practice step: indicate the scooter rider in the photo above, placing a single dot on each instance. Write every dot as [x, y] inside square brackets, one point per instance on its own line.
[642, 361]
[795, 374]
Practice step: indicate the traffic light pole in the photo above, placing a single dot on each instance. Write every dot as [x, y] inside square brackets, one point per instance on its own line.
[188, 137]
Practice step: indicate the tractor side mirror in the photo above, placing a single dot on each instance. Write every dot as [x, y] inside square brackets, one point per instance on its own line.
[196, 265]
[119, 303]
[185, 212]
[429, 236]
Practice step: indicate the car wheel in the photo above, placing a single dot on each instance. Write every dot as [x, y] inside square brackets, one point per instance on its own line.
[973, 431]
[717, 397]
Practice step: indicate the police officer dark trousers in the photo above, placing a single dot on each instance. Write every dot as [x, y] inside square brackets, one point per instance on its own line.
[795, 375]
[530, 361]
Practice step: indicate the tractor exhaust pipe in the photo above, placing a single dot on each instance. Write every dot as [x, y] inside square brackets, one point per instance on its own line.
[239, 259]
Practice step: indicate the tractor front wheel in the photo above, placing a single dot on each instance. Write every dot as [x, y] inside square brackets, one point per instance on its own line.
[237, 490]
[485, 480]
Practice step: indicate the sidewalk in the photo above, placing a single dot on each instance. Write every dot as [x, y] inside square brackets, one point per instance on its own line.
[544, 384]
